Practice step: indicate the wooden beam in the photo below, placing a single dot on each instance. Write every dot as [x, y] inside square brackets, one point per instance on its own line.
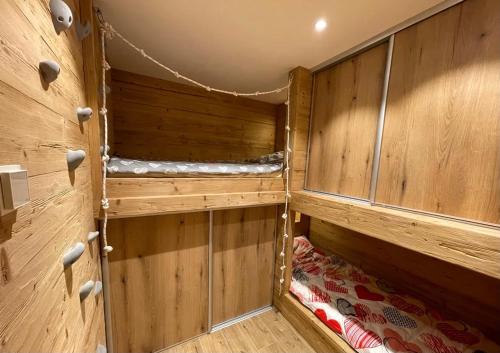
[467, 245]
[146, 187]
[300, 107]
[167, 204]
[91, 67]
[317, 334]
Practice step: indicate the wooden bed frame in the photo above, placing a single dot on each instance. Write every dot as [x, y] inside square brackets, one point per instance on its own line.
[133, 197]
[474, 247]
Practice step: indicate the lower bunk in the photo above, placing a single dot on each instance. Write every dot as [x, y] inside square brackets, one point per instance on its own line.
[339, 307]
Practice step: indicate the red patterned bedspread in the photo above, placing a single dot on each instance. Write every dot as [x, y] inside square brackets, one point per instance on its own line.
[372, 316]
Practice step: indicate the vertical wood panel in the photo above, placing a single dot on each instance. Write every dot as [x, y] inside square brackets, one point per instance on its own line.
[466, 294]
[441, 143]
[92, 66]
[243, 245]
[300, 109]
[40, 308]
[159, 280]
[346, 106]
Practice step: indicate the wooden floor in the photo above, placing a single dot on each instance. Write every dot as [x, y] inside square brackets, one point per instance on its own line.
[268, 332]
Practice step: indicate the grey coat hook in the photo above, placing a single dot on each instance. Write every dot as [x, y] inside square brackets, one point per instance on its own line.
[50, 70]
[84, 114]
[86, 289]
[75, 158]
[92, 236]
[62, 17]
[83, 30]
[73, 254]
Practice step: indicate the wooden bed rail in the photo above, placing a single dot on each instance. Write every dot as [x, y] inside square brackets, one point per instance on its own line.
[134, 197]
[471, 246]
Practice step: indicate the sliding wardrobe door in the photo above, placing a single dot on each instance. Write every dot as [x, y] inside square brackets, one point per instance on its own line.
[346, 105]
[158, 280]
[441, 141]
[243, 257]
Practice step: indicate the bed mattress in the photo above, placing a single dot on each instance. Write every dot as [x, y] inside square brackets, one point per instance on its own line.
[124, 167]
[372, 316]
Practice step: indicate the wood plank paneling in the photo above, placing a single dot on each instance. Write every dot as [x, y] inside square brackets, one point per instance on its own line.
[243, 256]
[300, 109]
[346, 105]
[92, 66]
[146, 187]
[471, 246]
[444, 285]
[159, 280]
[165, 204]
[40, 309]
[158, 119]
[441, 143]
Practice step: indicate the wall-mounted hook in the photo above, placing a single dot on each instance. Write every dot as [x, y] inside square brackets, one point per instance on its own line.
[97, 287]
[83, 30]
[62, 17]
[50, 70]
[75, 158]
[73, 254]
[86, 289]
[84, 114]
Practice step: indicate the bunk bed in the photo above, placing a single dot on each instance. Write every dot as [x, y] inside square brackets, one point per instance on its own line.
[192, 187]
[176, 148]
[368, 313]
[468, 245]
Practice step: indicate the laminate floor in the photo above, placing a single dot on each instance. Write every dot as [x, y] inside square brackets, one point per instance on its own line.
[268, 332]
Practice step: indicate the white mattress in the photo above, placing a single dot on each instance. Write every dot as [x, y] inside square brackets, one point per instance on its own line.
[124, 167]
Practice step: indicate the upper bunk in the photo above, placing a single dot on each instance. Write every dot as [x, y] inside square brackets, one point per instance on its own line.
[176, 148]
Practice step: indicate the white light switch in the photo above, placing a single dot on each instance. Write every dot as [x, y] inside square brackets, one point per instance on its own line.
[14, 191]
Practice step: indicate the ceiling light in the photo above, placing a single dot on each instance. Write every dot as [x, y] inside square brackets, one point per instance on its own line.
[320, 25]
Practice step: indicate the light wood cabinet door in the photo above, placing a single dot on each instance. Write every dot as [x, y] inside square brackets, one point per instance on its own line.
[346, 105]
[441, 141]
[159, 280]
[243, 256]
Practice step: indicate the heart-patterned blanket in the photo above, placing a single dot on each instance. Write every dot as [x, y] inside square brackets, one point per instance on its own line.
[372, 316]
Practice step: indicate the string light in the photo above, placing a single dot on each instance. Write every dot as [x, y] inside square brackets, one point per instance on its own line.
[288, 151]
[108, 32]
[105, 157]
[113, 33]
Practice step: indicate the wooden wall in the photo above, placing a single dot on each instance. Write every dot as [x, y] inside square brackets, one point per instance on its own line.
[159, 280]
[243, 256]
[159, 119]
[441, 144]
[346, 105]
[40, 309]
[466, 294]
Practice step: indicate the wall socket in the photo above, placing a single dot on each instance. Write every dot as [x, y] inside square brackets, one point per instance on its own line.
[14, 191]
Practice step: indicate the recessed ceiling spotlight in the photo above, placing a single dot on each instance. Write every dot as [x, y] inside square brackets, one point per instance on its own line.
[320, 25]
